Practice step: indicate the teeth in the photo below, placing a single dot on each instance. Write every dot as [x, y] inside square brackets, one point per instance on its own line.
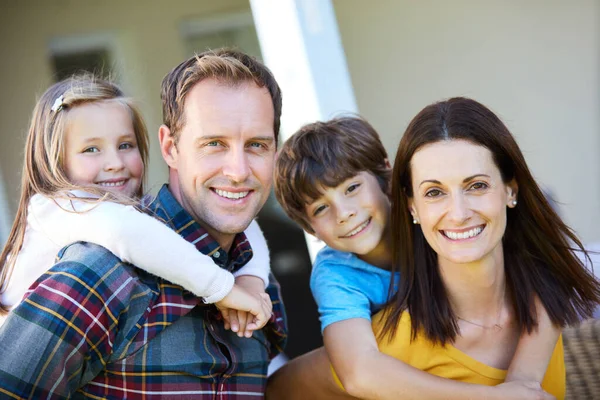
[463, 235]
[112, 184]
[359, 228]
[231, 195]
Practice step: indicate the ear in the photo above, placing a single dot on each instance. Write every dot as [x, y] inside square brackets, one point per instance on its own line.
[412, 209]
[168, 148]
[387, 164]
[512, 191]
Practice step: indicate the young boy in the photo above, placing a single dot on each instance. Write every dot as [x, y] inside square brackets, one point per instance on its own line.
[333, 179]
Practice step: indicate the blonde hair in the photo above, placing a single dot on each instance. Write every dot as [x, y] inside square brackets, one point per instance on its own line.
[43, 166]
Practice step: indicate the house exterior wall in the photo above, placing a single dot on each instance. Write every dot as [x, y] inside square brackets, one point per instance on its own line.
[536, 63]
[147, 43]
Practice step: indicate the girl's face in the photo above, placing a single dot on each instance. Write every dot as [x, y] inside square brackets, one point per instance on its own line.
[460, 200]
[101, 149]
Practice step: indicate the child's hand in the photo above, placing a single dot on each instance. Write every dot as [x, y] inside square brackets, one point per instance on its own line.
[244, 311]
[523, 390]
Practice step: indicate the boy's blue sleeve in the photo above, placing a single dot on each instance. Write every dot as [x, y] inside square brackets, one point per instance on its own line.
[340, 293]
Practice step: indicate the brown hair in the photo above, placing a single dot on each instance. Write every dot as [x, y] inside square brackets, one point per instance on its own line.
[326, 154]
[539, 249]
[227, 66]
[43, 166]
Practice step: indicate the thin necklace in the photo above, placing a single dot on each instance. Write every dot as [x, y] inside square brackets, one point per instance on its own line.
[496, 327]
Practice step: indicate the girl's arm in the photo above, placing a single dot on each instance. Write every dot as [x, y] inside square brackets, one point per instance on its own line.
[534, 350]
[259, 265]
[135, 238]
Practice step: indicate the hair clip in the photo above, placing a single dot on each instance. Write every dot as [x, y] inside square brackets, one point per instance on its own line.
[58, 104]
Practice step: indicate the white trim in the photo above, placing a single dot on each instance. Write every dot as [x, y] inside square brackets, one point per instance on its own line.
[216, 23]
[79, 43]
[4, 214]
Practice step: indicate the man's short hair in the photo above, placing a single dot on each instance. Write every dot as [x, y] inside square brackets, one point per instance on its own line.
[325, 154]
[227, 66]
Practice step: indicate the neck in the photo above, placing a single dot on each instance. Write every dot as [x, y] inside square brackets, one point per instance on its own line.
[381, 255]
[224, 240]
[476, 290]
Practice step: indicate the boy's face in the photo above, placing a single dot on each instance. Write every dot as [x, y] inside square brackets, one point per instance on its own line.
[351, 217]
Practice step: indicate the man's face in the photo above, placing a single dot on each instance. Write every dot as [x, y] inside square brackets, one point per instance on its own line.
[222, 164]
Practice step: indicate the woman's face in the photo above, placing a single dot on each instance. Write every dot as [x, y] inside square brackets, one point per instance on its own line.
[460, 200]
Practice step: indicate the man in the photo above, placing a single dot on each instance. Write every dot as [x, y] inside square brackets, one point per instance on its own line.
[114, 331]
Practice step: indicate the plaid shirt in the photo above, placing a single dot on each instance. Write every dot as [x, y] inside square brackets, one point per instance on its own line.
[94, 327]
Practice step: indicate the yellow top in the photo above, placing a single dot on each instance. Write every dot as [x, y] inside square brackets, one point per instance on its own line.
[449, 362]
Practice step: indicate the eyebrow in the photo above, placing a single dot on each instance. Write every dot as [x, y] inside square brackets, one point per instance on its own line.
[269, 139]
[467, 179]
[121, 137]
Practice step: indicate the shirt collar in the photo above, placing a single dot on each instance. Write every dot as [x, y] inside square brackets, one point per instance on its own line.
[168, 209]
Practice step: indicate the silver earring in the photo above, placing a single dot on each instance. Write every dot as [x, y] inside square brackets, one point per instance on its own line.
[514, 203]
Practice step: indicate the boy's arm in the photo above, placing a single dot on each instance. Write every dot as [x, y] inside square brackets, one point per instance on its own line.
[259, 265]
[367, 373]
[534, 350]
[134, 237]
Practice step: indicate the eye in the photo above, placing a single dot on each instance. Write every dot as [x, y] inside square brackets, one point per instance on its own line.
[126, 146]
[433, 193]
[479, 186]
[214, 143]
[352, 187]
[91, 149]
[319, 210]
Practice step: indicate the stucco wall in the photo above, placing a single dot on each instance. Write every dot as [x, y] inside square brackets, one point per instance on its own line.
[536, 63]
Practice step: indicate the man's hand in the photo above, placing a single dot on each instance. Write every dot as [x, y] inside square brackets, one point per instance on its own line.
[522, 390]
[247, 307]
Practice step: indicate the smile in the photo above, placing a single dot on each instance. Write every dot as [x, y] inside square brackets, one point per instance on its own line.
[468, 234]
[231, 195]
[112, 183]
[358, 229]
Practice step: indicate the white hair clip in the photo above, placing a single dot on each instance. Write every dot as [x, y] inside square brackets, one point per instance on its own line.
[58, 104]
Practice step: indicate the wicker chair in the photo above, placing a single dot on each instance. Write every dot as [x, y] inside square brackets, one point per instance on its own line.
[582, 360]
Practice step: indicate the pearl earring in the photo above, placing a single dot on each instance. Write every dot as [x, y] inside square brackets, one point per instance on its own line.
[514, 202]
[415, 221]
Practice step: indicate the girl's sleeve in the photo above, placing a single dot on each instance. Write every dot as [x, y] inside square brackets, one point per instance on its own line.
[259, 265]
[135, 238]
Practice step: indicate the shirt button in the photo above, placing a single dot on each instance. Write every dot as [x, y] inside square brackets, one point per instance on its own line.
[217, 254]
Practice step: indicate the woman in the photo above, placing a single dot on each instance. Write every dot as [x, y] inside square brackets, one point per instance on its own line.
[478, 247]
[479, 251]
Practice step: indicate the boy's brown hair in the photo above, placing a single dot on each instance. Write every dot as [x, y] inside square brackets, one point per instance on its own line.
[326, 154]
[228, 66]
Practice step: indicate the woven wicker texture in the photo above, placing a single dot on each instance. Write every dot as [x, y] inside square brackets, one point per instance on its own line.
[582, 360]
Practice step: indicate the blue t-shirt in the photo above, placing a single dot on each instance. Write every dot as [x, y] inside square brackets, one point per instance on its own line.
[345, 287]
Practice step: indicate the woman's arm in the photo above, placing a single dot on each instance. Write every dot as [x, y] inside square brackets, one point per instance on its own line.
[534, 350]
[135, 238]
[260, 264]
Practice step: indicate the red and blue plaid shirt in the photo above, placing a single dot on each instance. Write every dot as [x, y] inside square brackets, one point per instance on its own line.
[94, 327]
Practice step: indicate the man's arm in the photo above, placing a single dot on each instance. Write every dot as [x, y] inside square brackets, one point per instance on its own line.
[63, 333]
[276, 330]
[534, 350]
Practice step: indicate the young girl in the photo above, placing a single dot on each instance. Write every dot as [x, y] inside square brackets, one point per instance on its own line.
[85, 155]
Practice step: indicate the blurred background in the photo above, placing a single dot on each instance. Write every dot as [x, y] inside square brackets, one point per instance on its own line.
[536, 63]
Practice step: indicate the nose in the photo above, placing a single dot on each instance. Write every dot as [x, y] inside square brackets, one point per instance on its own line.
[345, 213]
[459, 209]
[236, 165]
[113, 161]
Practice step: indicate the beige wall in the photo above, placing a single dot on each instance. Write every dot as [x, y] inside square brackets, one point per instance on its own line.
[536, 63]
[148, 44]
